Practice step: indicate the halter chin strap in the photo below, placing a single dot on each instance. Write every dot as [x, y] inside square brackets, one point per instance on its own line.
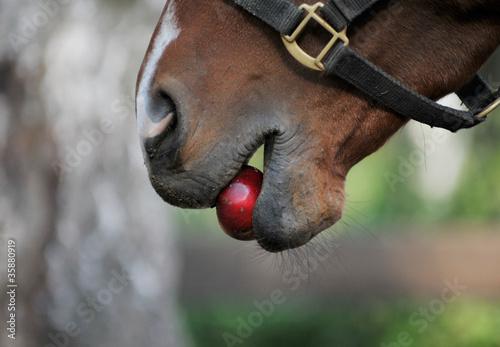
[338, 59]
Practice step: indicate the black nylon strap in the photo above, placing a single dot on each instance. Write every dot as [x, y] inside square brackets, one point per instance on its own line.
[340, 13]
[359, 72]
[282, 15]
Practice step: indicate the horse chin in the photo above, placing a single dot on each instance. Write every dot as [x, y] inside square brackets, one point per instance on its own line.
[298, 200]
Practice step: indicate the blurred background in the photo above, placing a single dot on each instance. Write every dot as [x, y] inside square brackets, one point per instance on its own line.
[102, 261]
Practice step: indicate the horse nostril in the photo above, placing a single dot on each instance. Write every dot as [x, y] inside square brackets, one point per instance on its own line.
[164, 115]
[165, 103]
[157, 115]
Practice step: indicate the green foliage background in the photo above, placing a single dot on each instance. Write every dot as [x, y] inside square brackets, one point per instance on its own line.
[466, 323]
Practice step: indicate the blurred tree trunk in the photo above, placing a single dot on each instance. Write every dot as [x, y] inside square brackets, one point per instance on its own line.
[96, 261]
[28, 190]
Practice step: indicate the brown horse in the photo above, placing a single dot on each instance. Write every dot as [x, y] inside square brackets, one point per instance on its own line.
[217, 83]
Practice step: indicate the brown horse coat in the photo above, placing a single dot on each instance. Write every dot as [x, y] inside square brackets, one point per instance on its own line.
[234, 87]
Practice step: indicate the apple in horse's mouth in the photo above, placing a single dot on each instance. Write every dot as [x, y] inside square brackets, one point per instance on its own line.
[236, 201]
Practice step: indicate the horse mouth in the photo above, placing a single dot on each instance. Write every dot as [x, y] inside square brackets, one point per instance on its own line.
[284, 216]
[287, 213]
[187, 185]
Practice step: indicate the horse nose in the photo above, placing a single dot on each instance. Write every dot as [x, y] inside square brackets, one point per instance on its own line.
[156, 115]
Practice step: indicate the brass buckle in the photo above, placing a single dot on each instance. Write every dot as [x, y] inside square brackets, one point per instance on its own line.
[297, 52]
[489, 109]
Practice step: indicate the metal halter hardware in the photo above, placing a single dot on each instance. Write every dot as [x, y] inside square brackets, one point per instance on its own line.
[298, 53]
[489, 109]
[290, 42]
[343, 62]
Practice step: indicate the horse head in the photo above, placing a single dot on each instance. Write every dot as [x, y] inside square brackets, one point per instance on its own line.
[217, 83]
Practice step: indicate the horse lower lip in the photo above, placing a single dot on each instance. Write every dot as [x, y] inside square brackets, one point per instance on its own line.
[273, 232]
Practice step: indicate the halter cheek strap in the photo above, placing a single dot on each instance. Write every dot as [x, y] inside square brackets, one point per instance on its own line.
[354, 69]
[341, 61]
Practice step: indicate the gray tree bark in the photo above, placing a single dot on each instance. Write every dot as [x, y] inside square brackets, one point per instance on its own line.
[96, 264]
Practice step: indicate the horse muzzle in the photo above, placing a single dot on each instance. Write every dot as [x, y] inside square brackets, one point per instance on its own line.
[300, 197]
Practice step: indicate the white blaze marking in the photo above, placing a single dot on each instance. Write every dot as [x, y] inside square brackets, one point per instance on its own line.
[168, 33]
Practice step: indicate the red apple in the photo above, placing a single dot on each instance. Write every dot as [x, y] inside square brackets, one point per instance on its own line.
[236, 201]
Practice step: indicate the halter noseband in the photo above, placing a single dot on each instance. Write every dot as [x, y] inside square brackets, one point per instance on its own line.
[341, 61]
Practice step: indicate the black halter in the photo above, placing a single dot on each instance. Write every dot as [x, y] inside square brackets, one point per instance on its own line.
[340, 60]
